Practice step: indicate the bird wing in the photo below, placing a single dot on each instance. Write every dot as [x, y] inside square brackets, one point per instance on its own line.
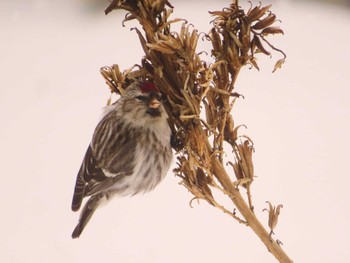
[87, 171]
[111, 152]
[95, 187]
[91, 180]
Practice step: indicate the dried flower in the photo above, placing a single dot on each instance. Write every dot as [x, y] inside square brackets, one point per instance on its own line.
[273, 216]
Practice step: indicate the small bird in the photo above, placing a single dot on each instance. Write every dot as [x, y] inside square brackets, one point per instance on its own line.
[130, 151]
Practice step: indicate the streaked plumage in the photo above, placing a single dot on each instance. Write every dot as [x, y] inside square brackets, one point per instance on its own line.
[130, 151]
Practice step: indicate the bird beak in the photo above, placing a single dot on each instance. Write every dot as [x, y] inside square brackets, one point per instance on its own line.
[154, 104]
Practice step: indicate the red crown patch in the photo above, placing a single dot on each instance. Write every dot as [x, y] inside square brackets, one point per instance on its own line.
[147, 87]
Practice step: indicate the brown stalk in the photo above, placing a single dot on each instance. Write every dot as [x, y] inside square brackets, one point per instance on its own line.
[191, 86]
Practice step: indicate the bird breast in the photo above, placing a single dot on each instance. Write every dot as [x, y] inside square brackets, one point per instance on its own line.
[152, 160]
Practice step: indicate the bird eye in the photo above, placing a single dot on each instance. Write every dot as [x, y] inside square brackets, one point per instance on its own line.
[141, 98]
[163, 98]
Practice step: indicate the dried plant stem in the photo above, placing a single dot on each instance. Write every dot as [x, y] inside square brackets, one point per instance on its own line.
[249, 195]
[248, 215]
[192, 86]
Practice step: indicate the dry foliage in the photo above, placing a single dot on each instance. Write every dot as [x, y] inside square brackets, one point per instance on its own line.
[193, 86]
[273, 215]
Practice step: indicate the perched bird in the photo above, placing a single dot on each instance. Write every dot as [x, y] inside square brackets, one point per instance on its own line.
[130, 151]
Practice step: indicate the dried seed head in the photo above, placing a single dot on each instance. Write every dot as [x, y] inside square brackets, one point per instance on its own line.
[273, 216]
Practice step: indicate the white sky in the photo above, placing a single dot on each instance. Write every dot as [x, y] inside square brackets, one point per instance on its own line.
[50, 99]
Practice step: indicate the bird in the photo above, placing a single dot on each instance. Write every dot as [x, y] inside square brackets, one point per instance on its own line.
[130, 151]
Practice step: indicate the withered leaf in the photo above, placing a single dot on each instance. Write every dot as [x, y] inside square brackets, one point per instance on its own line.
[128, 17]
[244, 156]
[272, 30]
[257, 12]
[161, 48]
[142, 41]
[277, 213]
[171, 22]
[248, 154]
[194, 40]
[209, 114]
[112, 5]
[238, 171]
[215, 39]
[253, 13]
[234, 132]
[113, 77]
[157, 6]
[254, 63]
[260, 46]
[170, 41]
[187, 171]
[278, 64]
[169, 4]
[252, 47]
[217, 13]
[265, 22]
[202, 181]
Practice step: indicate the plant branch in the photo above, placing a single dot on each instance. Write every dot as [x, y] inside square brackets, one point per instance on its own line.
[192, 86]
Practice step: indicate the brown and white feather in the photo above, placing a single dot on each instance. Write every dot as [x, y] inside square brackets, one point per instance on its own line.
[130, 151]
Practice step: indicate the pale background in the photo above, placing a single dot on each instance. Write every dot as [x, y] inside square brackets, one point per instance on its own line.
[50, 99]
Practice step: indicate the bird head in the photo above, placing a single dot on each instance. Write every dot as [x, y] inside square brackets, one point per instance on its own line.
[142, 101]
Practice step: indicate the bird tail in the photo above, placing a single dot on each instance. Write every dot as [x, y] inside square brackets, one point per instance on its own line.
[87, 213]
